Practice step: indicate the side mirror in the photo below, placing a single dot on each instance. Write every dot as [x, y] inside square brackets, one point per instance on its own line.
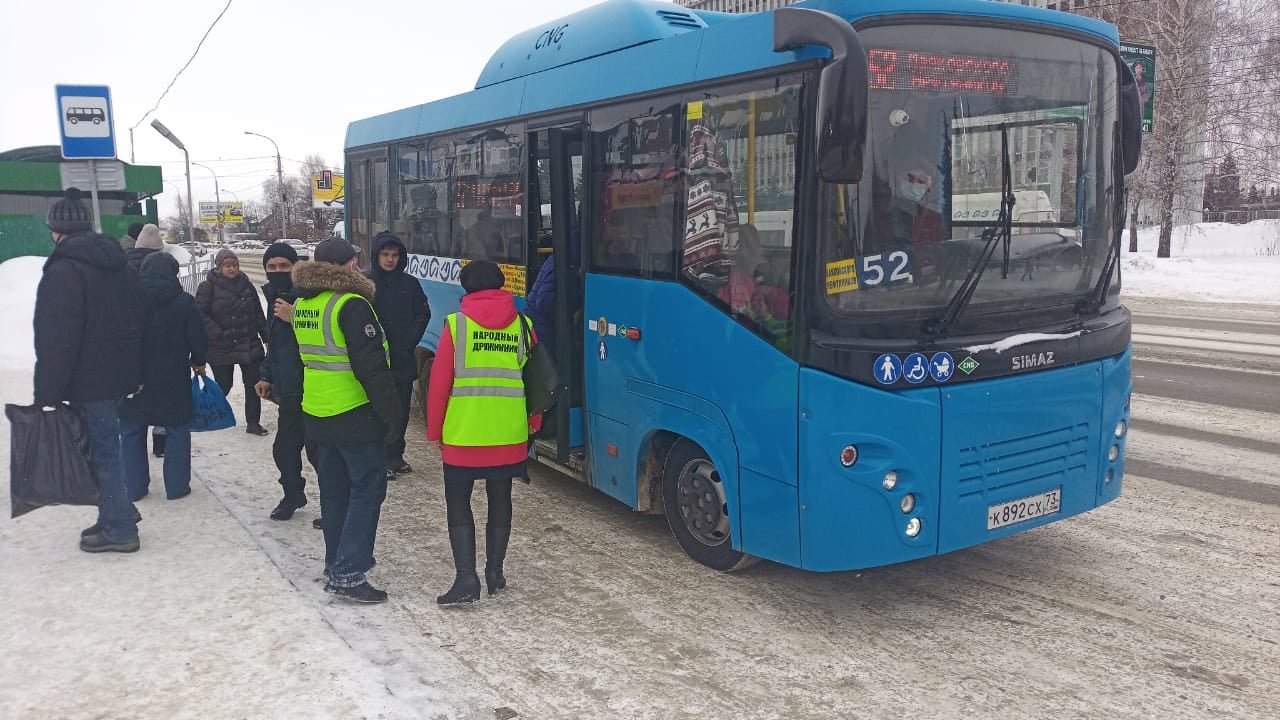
[841, 121]
[1130, 120]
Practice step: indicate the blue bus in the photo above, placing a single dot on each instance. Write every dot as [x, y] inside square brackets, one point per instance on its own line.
[837, 284]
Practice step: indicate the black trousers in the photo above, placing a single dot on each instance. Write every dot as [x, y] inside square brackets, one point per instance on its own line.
[224, 375]
[457, 502]
[395, 449]
[290, 443]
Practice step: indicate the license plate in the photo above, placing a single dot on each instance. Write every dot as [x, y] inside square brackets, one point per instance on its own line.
[1016, 511]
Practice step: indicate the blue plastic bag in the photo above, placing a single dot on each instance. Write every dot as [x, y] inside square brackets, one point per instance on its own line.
[211, 409]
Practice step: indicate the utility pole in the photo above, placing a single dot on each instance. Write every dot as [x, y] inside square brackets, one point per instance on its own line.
[217, 197]
[284, 207]
[191, 210]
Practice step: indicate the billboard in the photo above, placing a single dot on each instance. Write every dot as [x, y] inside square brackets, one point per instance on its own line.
[327, 191]
[1142, 60]
[231, 212]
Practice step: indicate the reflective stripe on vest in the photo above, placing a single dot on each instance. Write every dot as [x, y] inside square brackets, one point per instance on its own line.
[329, 387]
[486, 404]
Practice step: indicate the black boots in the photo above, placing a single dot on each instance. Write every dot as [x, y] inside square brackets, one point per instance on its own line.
[495, 551]
[466, 585]
[363, 593]
[287, 505]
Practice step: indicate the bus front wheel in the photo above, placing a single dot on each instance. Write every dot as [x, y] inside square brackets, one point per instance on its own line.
[697, 508]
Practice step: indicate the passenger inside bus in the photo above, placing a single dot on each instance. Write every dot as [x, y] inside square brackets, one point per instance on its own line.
[484, 240]
[747, 290]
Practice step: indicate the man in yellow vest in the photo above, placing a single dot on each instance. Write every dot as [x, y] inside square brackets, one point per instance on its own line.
[350, 407]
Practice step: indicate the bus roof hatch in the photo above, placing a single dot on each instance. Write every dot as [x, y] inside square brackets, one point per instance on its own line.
[598, 30]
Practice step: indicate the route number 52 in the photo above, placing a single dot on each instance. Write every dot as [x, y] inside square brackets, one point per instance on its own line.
[894, 267]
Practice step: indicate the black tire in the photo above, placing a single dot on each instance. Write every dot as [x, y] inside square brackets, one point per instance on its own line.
[694, 500]
[97, 121]
[74, 121]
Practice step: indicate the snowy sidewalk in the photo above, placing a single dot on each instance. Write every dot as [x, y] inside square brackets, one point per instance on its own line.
[199, 623]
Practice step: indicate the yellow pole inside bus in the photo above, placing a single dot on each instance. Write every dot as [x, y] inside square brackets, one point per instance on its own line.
[751, 159]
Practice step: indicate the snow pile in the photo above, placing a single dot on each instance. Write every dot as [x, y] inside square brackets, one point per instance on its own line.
[179, 253]
[19, 278]
[1211, 261]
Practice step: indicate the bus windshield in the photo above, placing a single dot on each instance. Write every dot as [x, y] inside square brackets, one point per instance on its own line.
[950, 118]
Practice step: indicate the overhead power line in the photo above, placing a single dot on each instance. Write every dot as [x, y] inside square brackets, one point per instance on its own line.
[183, 68]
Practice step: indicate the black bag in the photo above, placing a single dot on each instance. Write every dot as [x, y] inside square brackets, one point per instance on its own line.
[542, 386]
[49, 458]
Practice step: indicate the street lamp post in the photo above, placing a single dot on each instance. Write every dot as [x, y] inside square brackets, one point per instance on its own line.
[191, 210]
[217, 196]
[284, 213]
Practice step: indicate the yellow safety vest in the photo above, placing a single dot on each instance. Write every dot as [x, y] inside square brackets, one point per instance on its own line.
[486, 404]
[329, 387]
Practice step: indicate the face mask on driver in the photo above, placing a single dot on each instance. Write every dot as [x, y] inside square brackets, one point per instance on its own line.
[913, 191]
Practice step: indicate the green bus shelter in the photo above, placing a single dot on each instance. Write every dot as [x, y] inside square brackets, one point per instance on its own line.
[32, 179]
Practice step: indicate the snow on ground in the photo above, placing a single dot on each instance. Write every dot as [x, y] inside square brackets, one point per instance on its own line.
[1210, 261]
[205, 621]
[199, 623]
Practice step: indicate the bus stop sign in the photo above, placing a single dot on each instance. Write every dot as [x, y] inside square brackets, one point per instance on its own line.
[85, 122]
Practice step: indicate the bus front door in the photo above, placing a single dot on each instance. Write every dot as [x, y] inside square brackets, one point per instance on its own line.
[555, 223]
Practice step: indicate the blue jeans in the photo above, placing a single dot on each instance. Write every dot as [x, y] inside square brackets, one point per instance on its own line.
[353, 484]
[115, 512]
[177, 460]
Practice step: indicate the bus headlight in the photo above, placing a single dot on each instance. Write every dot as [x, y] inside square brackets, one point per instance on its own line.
[1113, 453]
[1121, 427]
[913, 527]
[1110, 476]
[891, 480]
[908, 503]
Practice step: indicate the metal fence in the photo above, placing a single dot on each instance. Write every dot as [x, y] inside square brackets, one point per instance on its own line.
[1241, 217]
[191, 274]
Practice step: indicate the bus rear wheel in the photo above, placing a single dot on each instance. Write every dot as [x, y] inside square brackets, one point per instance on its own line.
[697, 508]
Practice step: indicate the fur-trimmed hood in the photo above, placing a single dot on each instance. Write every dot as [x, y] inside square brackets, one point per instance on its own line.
[311, 278]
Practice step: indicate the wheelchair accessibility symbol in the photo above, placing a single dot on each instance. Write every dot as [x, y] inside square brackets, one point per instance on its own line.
[915, 368]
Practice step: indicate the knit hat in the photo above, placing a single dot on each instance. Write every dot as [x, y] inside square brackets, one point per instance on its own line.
[69, 215]
[224, 255]
[280, 250]
[135, 229]
[160, 264]
[481, 275]
[338, 252]
[149, 238]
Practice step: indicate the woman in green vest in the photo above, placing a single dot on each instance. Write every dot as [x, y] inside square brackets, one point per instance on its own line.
[476, 411]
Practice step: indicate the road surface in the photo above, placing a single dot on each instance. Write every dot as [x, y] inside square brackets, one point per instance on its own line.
[1165, 603]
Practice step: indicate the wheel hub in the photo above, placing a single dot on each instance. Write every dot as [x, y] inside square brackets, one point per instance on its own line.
[701, 499]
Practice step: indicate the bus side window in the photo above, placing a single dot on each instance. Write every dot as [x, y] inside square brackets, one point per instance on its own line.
[635, 167]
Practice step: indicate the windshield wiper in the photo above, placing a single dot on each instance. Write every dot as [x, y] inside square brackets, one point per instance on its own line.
[1001, 231]
[1092, 304]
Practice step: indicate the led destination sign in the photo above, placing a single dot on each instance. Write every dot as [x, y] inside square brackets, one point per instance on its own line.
[931, 72]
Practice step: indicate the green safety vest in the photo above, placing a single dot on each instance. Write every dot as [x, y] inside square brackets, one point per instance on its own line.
[486, 404]
[329, 387]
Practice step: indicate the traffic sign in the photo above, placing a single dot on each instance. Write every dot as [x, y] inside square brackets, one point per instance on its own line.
[85, 122]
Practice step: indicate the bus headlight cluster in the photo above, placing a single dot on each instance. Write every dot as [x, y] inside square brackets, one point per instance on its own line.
[908, 503]
[891, 480]
[1121, 427]
[913, 527]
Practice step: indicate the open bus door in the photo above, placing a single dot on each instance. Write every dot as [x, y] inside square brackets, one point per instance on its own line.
[555, 177]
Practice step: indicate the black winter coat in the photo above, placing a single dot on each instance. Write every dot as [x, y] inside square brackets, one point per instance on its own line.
[370, 422]
[283, 366]
[233, 319]
[174, 340]
[88, 323]
[135, 256]
[402, 309]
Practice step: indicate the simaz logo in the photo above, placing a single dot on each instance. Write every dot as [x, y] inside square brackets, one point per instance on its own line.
[551, 37]
[1026, 362]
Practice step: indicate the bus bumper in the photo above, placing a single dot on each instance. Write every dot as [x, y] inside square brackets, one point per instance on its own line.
[980, 460]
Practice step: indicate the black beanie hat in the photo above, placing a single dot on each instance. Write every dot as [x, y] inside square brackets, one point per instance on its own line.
[136, 229]
[281, 250]
[160, 263]
[481, 275]
[69, 215]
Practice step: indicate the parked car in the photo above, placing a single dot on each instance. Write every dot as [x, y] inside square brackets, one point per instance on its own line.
[300, 246]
